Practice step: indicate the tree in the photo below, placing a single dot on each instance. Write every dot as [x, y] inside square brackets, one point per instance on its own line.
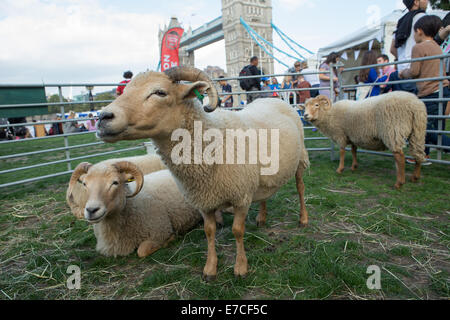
[440, 4]
[105, 96]
[54, 99]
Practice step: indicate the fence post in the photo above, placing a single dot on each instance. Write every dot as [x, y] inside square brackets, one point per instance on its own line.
[441, 107]
[66, 139]
[332, 96]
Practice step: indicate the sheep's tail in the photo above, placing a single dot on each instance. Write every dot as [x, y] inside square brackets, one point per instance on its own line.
[418, 133]
[304, 159]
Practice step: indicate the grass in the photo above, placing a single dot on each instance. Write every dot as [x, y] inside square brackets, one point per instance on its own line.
[356, 220]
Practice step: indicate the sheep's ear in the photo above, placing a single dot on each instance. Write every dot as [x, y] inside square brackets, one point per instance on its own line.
[301, 107]
[325, 102]
[193, 90]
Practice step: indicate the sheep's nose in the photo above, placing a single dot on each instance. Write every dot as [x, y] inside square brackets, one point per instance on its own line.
[92, 211]
[106, 116]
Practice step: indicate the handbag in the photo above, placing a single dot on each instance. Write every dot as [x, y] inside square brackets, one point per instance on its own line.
[365, 92]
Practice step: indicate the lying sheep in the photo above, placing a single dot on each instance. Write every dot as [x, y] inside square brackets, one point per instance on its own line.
[378, 123]
[154, 105]
[147, 218]
[76, 195]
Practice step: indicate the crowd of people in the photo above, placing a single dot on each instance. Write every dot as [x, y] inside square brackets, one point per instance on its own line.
[39, 130]
[418, 35]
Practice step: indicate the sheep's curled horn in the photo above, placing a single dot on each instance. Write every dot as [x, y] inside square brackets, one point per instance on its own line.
[131, 168]
[193, 74]
[81, 169]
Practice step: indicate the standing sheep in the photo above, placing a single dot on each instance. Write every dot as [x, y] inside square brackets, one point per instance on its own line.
[146, 219]
[155, 105]
[378, 123]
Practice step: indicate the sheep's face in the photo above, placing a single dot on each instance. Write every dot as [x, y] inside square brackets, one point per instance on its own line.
[316, 107]
[106, 187]
[76, 198]
[106, 190]
[151, 106]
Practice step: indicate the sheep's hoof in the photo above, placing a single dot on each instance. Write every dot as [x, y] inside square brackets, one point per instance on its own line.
[398, 186]
[208, 279]
[260, 224]
[340, 171]
[302, 225]
[415, 179]
[240, 276]
[355, 167]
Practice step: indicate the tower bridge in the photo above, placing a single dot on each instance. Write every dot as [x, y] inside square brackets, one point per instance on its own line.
[239, 47]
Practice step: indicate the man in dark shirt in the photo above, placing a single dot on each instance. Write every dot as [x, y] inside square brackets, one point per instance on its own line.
[256, 82]
[226, 88]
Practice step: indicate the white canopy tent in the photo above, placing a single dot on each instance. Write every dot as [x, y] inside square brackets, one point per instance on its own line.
[375, 37]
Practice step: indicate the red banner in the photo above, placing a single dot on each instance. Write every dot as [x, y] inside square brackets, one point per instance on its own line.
[169, 48]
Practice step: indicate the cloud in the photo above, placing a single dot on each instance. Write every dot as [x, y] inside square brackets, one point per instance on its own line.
[73, 40]
[294, 4]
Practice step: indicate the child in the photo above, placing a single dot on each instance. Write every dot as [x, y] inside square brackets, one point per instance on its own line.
[425, 30]
[266, 87]
[303, 95]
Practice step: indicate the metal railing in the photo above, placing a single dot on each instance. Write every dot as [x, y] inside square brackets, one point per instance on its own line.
[65, 136]
[240, 94]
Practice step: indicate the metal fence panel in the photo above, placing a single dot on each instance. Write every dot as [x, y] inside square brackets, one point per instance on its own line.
[68, 148]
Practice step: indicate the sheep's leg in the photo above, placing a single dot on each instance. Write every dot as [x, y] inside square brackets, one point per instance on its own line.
[147, 248]
[417, 170]
[241, 266]
[219, 218]
[301, 194]
[355, 158]
[262, 216]
[341, 161]
[400, 164]
[210, 270]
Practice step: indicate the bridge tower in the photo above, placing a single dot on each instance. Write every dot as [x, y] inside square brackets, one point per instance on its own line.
[239, 46]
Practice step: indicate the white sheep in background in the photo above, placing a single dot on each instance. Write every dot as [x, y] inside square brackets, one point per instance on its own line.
[76, 195]
[378, 123]
[154, 105]
[147, 218]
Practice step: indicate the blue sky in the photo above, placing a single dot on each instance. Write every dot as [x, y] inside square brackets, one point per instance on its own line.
[96, 40]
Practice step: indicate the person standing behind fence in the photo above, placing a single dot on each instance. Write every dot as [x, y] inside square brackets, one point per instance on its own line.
[226, 88]
[313, 79]
[385, 71]
[403, 41]
[72, 126]
[39, 130]
[275, 86]
[266, 87]
[287, 84]
[91, 123]
[424, 32]
[442, 39]
[332, 58]
[252, 84]
[128, 75]
[297, 68]
[302, 96]
[370, 75]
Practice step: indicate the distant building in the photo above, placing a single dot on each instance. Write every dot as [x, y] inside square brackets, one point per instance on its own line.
[214, 72]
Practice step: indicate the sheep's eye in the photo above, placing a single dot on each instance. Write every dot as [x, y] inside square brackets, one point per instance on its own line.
[115, 183]
[159, 93]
